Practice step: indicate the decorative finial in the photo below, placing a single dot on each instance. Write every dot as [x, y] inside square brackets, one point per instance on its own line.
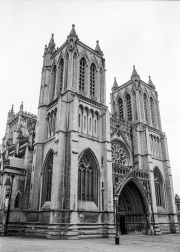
[52, 35]
[97, 41]
[73, 25]
[21, 107]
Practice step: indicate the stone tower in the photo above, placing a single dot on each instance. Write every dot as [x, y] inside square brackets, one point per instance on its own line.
[141, 169]
[71, 180]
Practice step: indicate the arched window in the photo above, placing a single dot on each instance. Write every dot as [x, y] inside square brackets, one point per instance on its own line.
[121, 113]
[74, 70]
[92, 79]
[145, 107]
[128, 104]
[134, 106]
[88, 177]
[158, 182]
[84, 122]
[66, 71]
[101, 85]
[17, 201]
[90, 124]
[53, 82]
[61, 69]
[82, 74]
[152, 112]
[47, 178]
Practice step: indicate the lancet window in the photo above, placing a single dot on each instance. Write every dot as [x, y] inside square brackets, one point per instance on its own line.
[61, 74]
[53, 81]
[17, 201]
[74, 70]
[47, 178]
[129, 110]
[66, 71]
[152, 112]
[92, 79]
[158, 182]
[88, 177]
[121, 113]
[82, 74]
[145, 108]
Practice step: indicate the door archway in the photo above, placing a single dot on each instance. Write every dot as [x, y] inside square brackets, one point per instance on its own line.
[132, 210]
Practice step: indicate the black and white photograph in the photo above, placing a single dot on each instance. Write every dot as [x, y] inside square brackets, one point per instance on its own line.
[90, 122]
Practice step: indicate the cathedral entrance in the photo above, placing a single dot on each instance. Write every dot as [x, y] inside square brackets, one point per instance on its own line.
[132, 216]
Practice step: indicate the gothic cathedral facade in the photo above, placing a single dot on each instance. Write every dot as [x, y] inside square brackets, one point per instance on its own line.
[67, 172]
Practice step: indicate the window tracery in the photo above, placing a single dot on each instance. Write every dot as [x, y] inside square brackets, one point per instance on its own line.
[92, 79]
[158, 181]
[88, 178]
[51, 123]
[118, 154]
[61, 74]
[53, 82]
[145, 108]
[82, 74]
[129, 110]
[47, 178]
[121, 113]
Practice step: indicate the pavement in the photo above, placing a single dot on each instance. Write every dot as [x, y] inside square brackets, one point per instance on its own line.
[128, 243]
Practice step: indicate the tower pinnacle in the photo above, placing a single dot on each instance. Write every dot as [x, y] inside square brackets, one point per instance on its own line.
[150, 83]
[115, 85]
[135, 76]
[98, 49]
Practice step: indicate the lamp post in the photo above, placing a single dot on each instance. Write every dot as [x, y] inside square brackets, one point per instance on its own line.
[116, 197]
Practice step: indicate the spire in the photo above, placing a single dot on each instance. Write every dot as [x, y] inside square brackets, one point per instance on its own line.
[135, 76]
[150, 83]
[98, 49]
[115, 85]
[21, 107]
[73, 32]
[51, 45]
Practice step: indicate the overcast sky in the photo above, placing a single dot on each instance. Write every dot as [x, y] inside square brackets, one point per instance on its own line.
[141, 33]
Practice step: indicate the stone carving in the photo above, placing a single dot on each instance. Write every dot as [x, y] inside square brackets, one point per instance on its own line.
[118, 154]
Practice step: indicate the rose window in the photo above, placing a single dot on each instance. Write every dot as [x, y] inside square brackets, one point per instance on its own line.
[118, 154]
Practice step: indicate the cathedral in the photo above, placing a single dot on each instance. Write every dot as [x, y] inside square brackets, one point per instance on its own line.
[76, 170]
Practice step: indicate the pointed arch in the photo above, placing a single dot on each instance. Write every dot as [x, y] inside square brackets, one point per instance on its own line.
[101, 72]
[53, 83]
[60, 76]
[146, 107]
[93, 80]
[128, 107]
[66, 71]
[75, 66]
[159, 187]
[47, 177]
[134, 105]
[121, 108]
[132, 178]
[17, 200]
[88, 176]
[153, 112]
[82, 74]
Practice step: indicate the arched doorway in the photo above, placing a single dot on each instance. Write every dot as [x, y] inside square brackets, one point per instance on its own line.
[132, 210]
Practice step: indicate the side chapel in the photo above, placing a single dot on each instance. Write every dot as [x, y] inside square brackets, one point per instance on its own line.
[62, 170]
